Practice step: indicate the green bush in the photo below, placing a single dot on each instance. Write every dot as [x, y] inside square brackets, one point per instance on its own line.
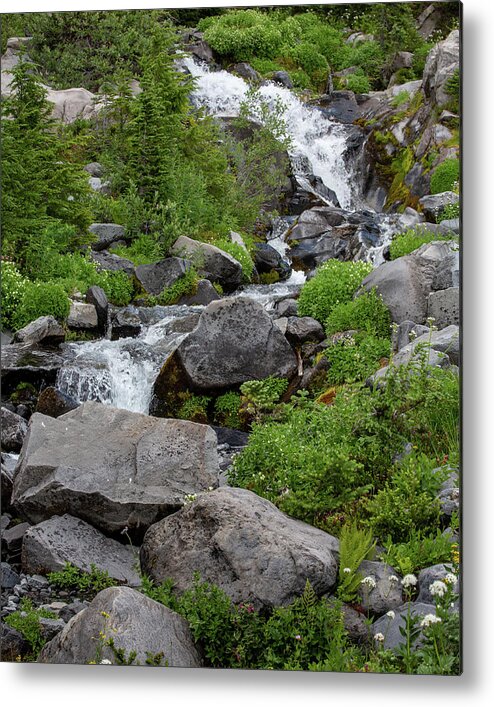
[241, 34]
[185, 285]
[260, 396]
[311, 61]
[26, 620]
[227, 410]
[195, 409]
[240, 254]
[13, 286]
[445, 176]
[408, 503]
[358, 83]
[143, 250]
[356, 545]
[400, 99]
[367, 312]
[450, 211]
[40, 299]
[335, 282]
[420, 551]
[407, 242]
[355, 358]
[87, 583]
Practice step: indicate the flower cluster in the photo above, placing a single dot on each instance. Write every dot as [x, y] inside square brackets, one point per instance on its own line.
[409, 580]
[369, 582]
[429, 620]
[438, 588]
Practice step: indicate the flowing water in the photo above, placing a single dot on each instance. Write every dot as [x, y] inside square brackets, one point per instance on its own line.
[122, 372]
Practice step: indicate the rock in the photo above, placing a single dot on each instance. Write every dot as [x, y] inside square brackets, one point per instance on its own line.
[340, 106]
[13, 644]
[433, 204]
[106, 233]
[402, 60]
[234, 341]
[243, 544]
[137, 624]
[112, 262]
[125, 323]
[14, 430]
[156, 277]
[45, 331]
[447, 272]
[442, 62]
[219, 265]
[94, 169]
[101, 187]
[6, 485]
[445, 341]
[267, 259]
[246, 72]
[390, 628]
[5, 338]
[50, 627]
[428, 20]
[452, 224]
[49, 545]
[281, 323]
[302, 329]
[69, 610]
[204, 294]
[22, 363]
[287, 308]
[53, 402]
[233, 438]
[12, 538]
[9, 577]
[283, 78]
[82, 317]
[406, 332]
[201, 50]
[97, 297]
[309, 192]
[444, 307]
[386, 595]
[111, 467]
[73, 103]
[429, 575]
[184, 325]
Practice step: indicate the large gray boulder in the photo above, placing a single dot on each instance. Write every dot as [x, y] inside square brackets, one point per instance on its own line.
[432, 574]
[156, 277]
[220, 266]
[48, 546]
[111, 467]
[14, 430]
[54, 402]
[204, 294]
[25, 363]
[45, 331]
[444, 307]
[234, 341]
[97, 297]
[386, 594]
[447, 272]
[134, 622]
[433, 204]
[442, 62]
[390, 627]
[112, 262]
[243, 544]
[82, 316]
[106, 234]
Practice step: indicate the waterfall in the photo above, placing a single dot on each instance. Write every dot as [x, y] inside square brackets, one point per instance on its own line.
[316, 141]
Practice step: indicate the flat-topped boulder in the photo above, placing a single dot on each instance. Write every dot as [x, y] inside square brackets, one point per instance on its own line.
[218, 265]
[112, 468]
[243, 544]
[234, 341]
[134, 622]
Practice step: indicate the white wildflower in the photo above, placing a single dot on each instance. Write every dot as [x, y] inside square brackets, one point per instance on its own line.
[429, 619]
[379, 637]
[438, 588]
[393, 578]
[369, 582]
[347, 570]
[105, 661]
[451, 578]
[391, 614]
[409, 580]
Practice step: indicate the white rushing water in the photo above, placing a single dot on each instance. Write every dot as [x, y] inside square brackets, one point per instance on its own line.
[314, 137]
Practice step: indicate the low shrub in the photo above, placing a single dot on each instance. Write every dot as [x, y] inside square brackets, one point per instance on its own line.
[40, 299]
[87, 583]
[240, 254]
[405, 243]
[356, 545]
[445, 176]
[421, 550]
[334, 283]
[227, 410]
[195, 409]
[365, 313]
[186, 285]
[358, 83]
[355, 358]
[13, 285]
[26, 620]
[400, 99]
[260, 396]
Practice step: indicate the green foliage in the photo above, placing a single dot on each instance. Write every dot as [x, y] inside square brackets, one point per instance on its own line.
[358, 82]
[269, 278]
[195, 408]
[260, 396]
[453, 88]
[240, 254]
[450, 211]
[40, 186]
[356, 357]
[26, 620]
[400, 99]
[413, 238]
[87, 583]
[445, 176]
[356, 545]
[227, 410]
[13, 286]
[408, 503]
[312, 62]
[421, 550]
[143, 250]
[335, 282]
[40, 299]
[241, 34]
[367, 312]
[185, 285]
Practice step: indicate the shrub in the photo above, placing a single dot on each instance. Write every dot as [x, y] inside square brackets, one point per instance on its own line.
[27, 621]
[240, 254]
[356, 545]
[355, 358]
[366, 312]
[195, 409]
[335, 282]
[260, 396]
[87, 583]
[400, 98]
[241, 34]
[186, 285]
[450, 211]
[227, 410]
[358, 83]
[453, 89]
[306, 57]
[420, 551]
[13, 286]
[409, 501]
[39, 299]
[143, 250]
[445, 176]
[407, 242]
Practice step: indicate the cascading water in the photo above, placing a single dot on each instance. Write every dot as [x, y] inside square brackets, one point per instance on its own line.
[314, 137]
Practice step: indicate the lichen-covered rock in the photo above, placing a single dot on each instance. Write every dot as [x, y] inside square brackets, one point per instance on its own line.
[221, 266]
[156, 277]
[243, 544]
[134, 622]
[442, 62]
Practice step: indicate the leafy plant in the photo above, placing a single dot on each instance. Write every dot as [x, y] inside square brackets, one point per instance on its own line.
[400, 99]
[240, 254]
[185, 285]
[413, 238]
[40, 299]
[195, 408]
[87, 583]
[356, 545]
[445, 176]
[13, 285]
[227, 410]
[356, 357]
[335, 282]
[367, 312]
[26, 620]
[260, 396]
[419, 551]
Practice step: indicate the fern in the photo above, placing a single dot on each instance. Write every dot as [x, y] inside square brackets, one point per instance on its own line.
[355, 546]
